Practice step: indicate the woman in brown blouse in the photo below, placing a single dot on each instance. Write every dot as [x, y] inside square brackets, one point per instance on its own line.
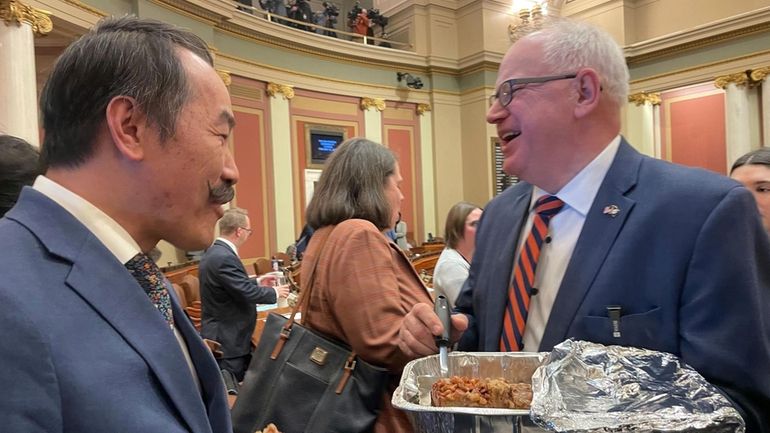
[364, 284]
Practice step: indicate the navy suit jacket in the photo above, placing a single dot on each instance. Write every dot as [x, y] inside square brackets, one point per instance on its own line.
[686, 258]
[83, 348]
[229, 300]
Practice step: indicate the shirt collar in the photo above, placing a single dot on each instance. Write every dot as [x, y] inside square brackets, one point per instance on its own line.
[229, 244]
[106, 229]
[579, 193]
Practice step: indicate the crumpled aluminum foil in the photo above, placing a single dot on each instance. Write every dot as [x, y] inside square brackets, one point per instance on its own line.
[588, 387]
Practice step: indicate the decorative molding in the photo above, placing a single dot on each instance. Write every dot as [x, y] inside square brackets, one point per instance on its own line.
[368, 103]
[739, 79]
[275, 88]
[14, 11]
[87, 8]
[422, 108]
[749, 23]
[760, 74]
[642, 98]
[225, 76]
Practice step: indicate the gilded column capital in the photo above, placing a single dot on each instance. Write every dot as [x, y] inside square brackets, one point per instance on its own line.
[422, 108]
[738, 78]
[642, 98]
[284, 89]
[225, 76]
[760, 73]
[368, 103]
[14, 11]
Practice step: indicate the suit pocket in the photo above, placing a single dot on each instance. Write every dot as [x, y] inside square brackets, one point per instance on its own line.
[636, 329]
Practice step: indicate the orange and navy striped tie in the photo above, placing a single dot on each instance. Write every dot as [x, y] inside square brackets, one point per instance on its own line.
[524, 275]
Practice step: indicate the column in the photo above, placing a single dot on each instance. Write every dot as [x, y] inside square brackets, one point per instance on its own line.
[18, 89]
[642, 127]
[426, 165]
[759, 76]
[280, 137]
[373, 108]
[737, 120]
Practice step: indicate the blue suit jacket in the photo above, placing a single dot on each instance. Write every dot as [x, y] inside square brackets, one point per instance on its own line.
[229, 300]
[686, 258]
[83, 349]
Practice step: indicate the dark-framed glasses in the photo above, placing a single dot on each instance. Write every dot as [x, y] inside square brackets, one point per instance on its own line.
[247, 230]
[506, 90]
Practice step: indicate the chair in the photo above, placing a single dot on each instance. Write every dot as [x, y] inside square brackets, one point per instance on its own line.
[262, 266]
[425, 264]
[180, 295]
[192, 290]
[194, 313]
[284, 257]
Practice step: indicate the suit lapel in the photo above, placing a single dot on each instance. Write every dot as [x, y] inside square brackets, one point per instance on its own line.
[212, 387]
[107, 286]
[597, 237]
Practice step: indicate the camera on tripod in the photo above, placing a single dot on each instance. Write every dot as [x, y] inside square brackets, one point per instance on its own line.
[331, 11]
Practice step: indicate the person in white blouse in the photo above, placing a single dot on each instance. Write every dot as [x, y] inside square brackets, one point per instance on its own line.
[455, 261]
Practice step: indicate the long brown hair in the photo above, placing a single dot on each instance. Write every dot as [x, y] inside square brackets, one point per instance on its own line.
[352, 185]
[454, 230]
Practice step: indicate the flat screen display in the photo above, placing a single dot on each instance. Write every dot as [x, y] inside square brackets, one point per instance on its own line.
[322, 144]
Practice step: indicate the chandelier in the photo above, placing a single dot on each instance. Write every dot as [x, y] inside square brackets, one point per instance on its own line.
[530, 13]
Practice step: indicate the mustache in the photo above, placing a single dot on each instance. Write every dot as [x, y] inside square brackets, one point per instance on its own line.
[222, 193]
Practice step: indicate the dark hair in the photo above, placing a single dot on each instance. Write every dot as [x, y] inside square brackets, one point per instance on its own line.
[454, 230]
[19, 165]
[760, 156]
[125, 56]
[352, 185]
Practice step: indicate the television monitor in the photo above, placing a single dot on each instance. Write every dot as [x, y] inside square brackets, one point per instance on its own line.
[323, 143]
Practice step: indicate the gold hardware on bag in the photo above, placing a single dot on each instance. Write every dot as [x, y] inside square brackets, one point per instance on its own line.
[318, 356]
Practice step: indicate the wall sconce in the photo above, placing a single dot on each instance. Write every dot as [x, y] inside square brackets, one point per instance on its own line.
[530, 14]
[411, 81]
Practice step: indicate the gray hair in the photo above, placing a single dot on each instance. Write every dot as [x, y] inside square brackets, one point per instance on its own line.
[352, 185]
[125, 56]
[570, 45]
[232, 219]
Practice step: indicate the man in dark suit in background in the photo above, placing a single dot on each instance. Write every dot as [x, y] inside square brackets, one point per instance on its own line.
[601, 243]
[229, 297]
[136, 125]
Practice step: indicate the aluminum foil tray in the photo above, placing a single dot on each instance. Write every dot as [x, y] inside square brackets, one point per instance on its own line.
[413, 392]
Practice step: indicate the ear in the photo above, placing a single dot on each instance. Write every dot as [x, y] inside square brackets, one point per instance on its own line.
[589, 92]
[128, 127]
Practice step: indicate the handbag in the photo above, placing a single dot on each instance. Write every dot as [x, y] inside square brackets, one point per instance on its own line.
[305, 382]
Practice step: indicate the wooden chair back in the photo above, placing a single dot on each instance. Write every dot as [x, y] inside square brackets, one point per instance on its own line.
[262, 265]
[180, 295]
[194, 313]
[191, 287]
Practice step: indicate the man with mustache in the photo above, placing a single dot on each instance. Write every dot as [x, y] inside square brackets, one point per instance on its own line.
[229, 296]
[136, 126]
[603, 244]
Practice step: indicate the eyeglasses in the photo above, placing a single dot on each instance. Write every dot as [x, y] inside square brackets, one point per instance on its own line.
[506, 90]
[247, 230]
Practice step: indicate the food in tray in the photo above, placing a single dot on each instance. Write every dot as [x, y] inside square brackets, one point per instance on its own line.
[462, 391]
[271, 428]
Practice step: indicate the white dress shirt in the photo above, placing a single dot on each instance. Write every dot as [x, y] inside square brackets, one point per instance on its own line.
[450, 274]
[564, 230]
[108, 231]
[235, 250]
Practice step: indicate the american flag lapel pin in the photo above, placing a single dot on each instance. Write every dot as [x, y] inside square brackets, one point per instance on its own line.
[611, 210]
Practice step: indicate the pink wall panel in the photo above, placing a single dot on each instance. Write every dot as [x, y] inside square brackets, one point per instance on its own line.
[250, 193]
[400, 141]
[693, 126]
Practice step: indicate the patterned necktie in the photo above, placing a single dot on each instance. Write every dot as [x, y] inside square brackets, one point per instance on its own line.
[524, 275]
[152, 280]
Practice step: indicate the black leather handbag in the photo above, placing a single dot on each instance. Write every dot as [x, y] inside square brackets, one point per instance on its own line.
[305, 382]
